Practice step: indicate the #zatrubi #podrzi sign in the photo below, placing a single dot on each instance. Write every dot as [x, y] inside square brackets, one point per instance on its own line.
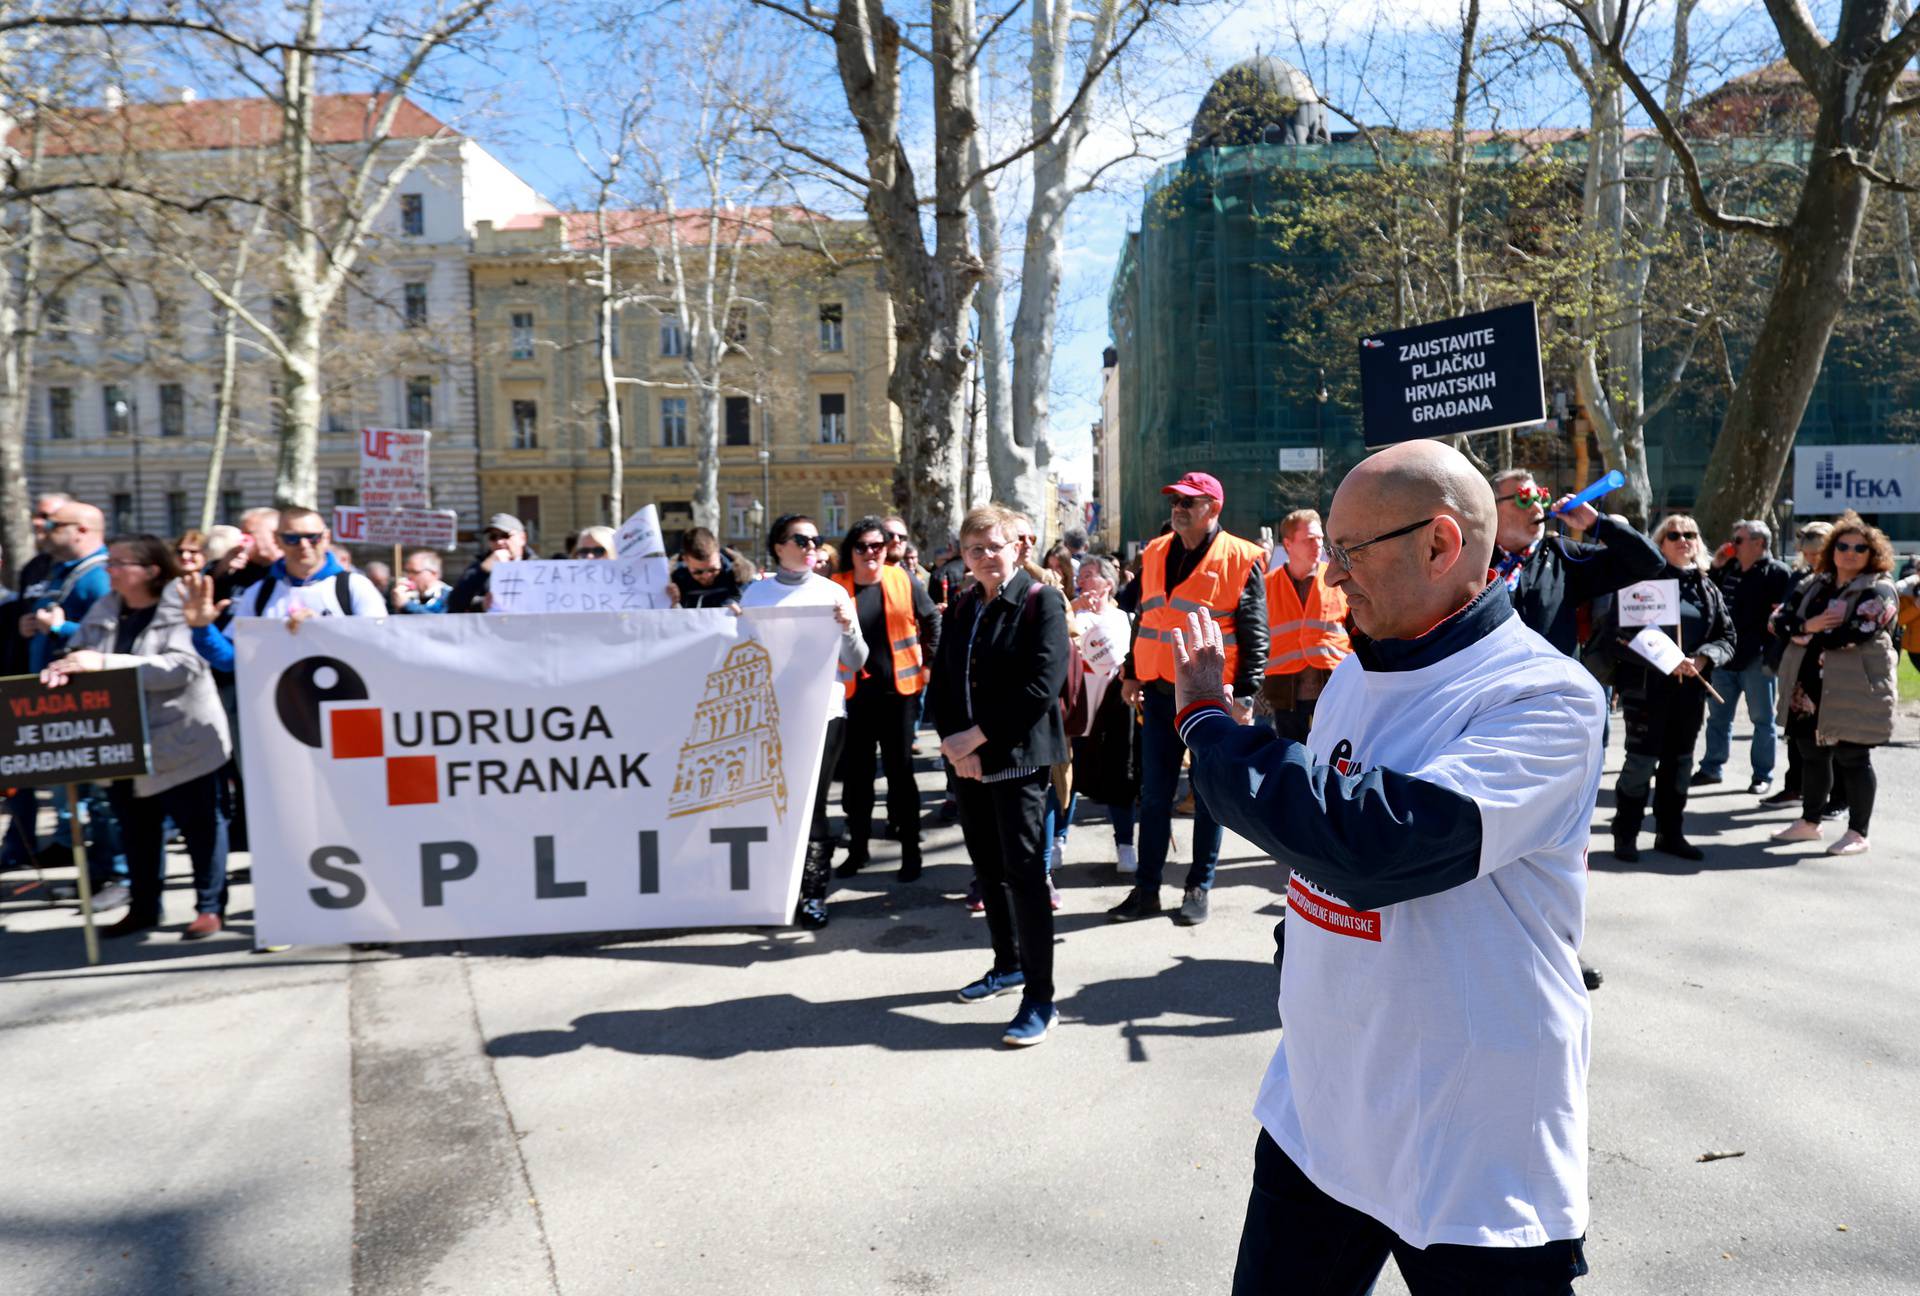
[1475, 373]
[91, 729]
[434, 778]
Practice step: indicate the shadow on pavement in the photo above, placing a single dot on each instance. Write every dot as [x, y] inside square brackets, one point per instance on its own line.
[1233, 997]
[1708, 819]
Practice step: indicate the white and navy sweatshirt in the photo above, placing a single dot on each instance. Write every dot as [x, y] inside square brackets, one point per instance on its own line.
[1433, 1068]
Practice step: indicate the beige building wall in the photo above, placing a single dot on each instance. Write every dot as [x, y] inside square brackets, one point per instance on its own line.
[560, 482]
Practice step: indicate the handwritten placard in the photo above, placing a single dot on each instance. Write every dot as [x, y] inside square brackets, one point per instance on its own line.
[582, 585]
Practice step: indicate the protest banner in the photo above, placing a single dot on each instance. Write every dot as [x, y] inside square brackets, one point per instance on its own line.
[349, 524]
[393, 469]
[418, 527]
[90, 730]
[1653, 602]
[1476, 373]
[436, 778]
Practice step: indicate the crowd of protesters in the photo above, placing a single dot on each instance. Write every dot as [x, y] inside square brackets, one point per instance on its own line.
[972, 645]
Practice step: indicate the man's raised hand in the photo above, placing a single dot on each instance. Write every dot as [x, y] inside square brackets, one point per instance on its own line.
[1199, 664]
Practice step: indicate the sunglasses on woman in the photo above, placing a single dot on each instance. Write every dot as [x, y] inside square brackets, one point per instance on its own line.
[870, 546]
[1843, 546]
[804, 541]
[589, 551]
[1677, 536]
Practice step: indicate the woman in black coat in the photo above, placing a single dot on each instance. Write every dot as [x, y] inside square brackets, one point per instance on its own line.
[997, 676]
[1664, 713]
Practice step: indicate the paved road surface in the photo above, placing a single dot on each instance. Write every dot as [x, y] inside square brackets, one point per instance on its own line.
[776, 1111]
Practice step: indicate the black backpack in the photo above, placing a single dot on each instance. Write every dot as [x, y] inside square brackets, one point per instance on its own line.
[342, 593]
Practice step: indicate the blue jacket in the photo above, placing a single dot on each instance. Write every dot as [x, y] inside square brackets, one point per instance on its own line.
[211, 643]
[89, 588]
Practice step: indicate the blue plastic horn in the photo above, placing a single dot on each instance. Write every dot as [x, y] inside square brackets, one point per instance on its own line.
[1613, 481]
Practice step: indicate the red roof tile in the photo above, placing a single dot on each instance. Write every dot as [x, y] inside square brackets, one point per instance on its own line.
[204, 124]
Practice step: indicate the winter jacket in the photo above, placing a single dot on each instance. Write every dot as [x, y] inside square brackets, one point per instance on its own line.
[1855, 660]
[186, 725]
[1554, 576]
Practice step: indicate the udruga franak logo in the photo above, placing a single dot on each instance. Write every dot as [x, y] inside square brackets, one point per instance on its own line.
[306, 689]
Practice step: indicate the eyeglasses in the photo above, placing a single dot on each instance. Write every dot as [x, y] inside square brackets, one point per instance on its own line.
[1189, 501]
[870, 546]
[1842, 546]
[302, 537]
[897, 535]
[1342, 555]
[1677, 536]
[804, 541]
[1527, 497]
[189, 553]
[589, 551]
[979, 551]
[55, 526]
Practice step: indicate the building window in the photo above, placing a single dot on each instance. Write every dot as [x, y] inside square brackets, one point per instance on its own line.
[527, 509]
[413, 215]
[739, 515]
[416, 301]
[232, 504]
[345, 497]
[833, 419]
[173, 410]
[122, 510]
[833, 335]
[119, 414]
[113, 315]
[833, 513]
[603, 426]
[176, 512]
[526, 425]
[420, 402]
[59, 413]
[521, 335]
[672, 341]
[57, 315]
[736, 326]
[166, 314]
[739, 421]
[673, 421]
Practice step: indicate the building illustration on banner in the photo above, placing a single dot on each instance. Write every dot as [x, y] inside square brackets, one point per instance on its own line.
[733, 756]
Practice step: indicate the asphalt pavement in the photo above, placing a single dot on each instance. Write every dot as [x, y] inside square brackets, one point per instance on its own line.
[752, 1111]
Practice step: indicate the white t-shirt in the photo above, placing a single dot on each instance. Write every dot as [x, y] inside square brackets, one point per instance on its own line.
[815, 591]
[320, 596]
[1432, 1071]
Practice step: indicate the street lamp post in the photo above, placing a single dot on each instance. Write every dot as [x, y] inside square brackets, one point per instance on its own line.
[129, 412]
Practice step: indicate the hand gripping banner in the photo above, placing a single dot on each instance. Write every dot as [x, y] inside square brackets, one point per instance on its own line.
[437, 778]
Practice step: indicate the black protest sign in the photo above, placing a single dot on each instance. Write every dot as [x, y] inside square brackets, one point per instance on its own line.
[90, 729]
[1471, 374]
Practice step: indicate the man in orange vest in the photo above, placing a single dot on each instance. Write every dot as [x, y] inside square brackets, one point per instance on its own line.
[1306, 630]
[1197, 567]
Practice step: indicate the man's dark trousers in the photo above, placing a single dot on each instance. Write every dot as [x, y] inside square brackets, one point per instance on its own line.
[1298, 1241]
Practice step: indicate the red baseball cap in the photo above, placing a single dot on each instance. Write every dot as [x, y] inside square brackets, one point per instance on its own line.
[1194, 484]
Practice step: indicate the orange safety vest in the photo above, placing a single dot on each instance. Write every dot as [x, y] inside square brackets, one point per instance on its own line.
[903, 629]
[1299, 637]
[1213, 587]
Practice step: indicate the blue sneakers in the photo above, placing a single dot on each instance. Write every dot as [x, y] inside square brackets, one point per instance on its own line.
[1029, 1025]
[993, 983]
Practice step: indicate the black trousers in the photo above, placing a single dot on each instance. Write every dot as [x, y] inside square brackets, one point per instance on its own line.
[1818, 765]
[1005, 830]
[194, 807]
[1297, 1241]
[877, 714]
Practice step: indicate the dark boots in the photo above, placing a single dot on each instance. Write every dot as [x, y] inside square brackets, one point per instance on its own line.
[1628, 814]
[856, 859]
[910, 860]
[814, 873]
[1669, 810]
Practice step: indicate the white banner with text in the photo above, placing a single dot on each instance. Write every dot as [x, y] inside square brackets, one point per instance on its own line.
[440, 778]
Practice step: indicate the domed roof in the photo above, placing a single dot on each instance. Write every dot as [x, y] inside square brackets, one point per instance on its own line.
[1261, 100]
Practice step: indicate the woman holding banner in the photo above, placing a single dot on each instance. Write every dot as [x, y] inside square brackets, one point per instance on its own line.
[793, 540]
[1664, 712]
[140, 625]
[1837, 677]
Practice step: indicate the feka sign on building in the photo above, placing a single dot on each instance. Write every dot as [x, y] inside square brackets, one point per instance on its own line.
[1472, 374]
[1867, 478]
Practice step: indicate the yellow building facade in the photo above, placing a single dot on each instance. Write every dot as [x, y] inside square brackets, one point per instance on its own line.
[806, 425]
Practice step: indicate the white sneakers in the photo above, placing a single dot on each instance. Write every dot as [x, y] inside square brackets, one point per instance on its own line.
[1128, 862]
[1850, 843]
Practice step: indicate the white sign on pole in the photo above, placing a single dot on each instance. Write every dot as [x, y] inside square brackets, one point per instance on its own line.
[393, 469]
[349, 524]
[439, 778]
[428, 528]
[576, 585]
[1307, 460]
[1658, 647]
[1654, 602]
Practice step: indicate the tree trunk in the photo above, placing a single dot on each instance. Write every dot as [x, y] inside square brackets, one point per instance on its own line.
[616, 464]
[222, 413]
[706, 482]
[296, 478]
[19, 323]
